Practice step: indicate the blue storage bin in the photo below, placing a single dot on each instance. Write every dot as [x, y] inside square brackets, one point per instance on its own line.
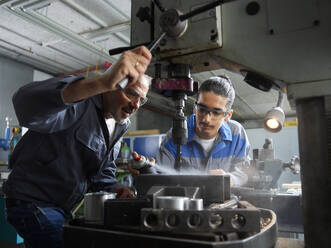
[146, 145]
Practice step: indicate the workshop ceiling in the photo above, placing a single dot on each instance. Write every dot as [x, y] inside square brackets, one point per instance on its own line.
[71, 36]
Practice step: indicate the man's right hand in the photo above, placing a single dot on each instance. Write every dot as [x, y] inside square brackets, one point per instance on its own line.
[132, 64]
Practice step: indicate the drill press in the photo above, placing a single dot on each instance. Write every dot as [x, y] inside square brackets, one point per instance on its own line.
[178, 84]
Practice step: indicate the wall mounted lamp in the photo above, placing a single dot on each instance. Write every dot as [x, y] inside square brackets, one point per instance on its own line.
[275, 117]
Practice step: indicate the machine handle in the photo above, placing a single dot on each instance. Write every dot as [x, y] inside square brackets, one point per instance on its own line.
[124, 82]
[202, 9]
[159, 5]
[118, 50]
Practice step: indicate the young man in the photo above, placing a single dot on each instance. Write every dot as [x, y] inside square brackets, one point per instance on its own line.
[68, 149]
[216, 144]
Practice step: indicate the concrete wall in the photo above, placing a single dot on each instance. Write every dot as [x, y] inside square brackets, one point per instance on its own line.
[12, 76]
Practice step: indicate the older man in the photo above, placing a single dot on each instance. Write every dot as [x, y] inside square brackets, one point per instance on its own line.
[68, 149]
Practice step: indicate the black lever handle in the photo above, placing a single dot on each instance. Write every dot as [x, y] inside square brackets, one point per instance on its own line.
[124, 82]
[201, 9]
[159, 5]
[118, 50]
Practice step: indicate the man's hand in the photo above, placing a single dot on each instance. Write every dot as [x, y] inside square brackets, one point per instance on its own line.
[132, 64]
[135, 172]
[124, 192]
[217, 172]
[220, 172]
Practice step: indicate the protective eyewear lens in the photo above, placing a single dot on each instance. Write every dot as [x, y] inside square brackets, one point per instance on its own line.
[215, 113]
[134, 97]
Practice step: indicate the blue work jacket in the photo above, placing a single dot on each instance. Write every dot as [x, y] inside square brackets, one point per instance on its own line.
[66, 151]
[230, 152]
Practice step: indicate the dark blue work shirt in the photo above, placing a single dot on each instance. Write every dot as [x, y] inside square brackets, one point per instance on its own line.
[66, 151]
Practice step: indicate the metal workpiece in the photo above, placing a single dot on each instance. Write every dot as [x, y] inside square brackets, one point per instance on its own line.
[94, 206]
[245, 218]
[178, 203]
[156, 192]
[195, 204]
[172, 202]
[76, 234]
[212, 188]
[151, 220]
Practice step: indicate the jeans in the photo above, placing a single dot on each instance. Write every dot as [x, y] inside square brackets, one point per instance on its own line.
[40, 225]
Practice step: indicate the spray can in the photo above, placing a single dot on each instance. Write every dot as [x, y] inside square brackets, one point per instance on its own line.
[142, 164]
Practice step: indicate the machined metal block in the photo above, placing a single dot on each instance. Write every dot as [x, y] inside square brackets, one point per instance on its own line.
[246, 218]
[213, 188]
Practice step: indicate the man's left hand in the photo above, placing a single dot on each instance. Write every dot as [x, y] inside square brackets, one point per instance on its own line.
[124, 192]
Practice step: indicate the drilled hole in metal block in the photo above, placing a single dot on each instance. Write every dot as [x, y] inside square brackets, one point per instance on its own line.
[238, 221]
[215, 220]
[194, 220]
[151, 220]
[173, 220]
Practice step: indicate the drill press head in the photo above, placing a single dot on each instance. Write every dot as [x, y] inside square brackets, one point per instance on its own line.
[177, 84]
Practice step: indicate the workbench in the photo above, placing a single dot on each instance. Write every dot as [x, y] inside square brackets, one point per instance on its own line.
[87, 237]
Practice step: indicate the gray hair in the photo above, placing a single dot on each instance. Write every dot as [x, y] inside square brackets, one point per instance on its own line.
[221, 86]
